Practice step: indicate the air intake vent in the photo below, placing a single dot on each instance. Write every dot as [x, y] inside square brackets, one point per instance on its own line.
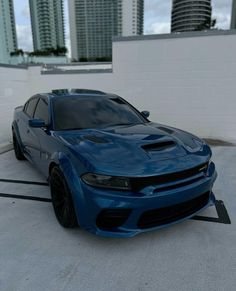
[160, 216]
[168, 130]
[95, 139]
[158, 146]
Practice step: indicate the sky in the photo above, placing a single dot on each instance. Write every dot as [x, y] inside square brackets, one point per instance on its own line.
[157, 15]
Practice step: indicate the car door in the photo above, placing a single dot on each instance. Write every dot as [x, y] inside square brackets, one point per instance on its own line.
[23, 124]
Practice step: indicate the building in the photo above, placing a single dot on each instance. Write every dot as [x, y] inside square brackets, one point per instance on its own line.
[233, 15]
[132, 17]
[93, 24]
[8, 37]
[190, 15]
[47, 22]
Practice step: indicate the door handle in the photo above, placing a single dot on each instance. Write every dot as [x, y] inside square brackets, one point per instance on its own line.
[28, 131]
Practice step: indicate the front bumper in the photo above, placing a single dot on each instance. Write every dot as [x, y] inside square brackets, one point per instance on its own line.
[125, 214]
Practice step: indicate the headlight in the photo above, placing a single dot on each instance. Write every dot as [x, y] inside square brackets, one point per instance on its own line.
[103, 181]
[208, 167]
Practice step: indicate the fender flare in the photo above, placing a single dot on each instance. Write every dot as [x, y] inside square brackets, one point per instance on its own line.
[17, 134]
[72, 178]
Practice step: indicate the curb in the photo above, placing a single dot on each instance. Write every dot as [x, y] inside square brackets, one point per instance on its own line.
[5, 147]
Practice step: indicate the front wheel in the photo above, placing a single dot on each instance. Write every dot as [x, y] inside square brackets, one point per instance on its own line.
[17, 149]
[61, 199]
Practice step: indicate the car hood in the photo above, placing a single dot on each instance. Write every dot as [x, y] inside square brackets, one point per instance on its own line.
[142, 149]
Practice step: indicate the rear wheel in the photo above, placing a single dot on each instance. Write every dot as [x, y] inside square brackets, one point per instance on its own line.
[17, 149]
[62, 200]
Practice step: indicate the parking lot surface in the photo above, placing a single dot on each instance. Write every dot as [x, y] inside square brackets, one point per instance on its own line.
[36, 253]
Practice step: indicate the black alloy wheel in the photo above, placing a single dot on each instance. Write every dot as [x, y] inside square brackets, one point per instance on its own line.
[62, 200]
[17, 149]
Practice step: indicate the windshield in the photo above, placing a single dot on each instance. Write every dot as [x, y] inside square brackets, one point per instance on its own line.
[79, 112]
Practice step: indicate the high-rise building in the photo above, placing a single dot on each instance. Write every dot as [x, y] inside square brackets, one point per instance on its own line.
[93, 23]
[47, 22]
[233, 15]
[190, 15]
[132, 17]
[8, 39]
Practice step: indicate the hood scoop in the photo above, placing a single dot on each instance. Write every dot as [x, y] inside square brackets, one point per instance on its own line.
[168, 130]
[95, 139]
[159, 146]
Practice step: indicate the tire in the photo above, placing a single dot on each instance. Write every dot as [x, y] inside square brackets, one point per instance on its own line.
[61, 199]
[17, 149]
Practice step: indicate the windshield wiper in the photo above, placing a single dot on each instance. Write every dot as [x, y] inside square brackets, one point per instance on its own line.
[74, 128]
[118, 124]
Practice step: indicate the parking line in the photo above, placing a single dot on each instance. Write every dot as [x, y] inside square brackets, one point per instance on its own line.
[23, 182]
[34, 198]
[223, 216]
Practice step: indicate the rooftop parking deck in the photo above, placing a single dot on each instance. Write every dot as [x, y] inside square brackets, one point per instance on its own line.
[36, 253]
[186, 81]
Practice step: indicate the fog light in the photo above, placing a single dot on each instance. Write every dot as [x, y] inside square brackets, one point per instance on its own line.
[112, 218]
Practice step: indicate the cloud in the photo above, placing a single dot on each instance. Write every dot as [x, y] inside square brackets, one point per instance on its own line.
[157, 16]
[25, 12]
[158, 28]
[221, 10]
[222, 21]
[21, 9]
[157, 6]
[224, 6]
[24, 36]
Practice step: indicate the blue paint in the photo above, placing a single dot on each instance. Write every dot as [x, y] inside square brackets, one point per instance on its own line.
[117, 150]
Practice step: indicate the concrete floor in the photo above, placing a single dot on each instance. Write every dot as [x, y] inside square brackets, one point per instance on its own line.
[37, 254]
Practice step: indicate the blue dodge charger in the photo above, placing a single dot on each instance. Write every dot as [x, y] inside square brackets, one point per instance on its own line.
[110, 169]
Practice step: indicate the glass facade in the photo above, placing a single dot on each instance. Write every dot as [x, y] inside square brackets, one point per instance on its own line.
[190, 15]
[7, 30]
[233, 15]
[94, 23]
[47, 21]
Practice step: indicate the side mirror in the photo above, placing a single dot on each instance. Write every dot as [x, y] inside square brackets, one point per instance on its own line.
[37, 123]
[145, 113]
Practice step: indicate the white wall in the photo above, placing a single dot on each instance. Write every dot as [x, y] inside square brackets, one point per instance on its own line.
[14, 89]
[17, 60]
[185, 82]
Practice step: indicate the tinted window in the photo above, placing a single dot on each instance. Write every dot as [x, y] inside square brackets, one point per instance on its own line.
[92, 112]
[25, 107]
[41, 111]
[31, 106]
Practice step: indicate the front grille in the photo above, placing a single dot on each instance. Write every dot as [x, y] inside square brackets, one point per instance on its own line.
[138, 184]
[181, 184]
[161, 216]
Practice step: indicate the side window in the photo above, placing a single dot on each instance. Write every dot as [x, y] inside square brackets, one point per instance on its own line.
[41, 111]
[31, 106]
[25, 107]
